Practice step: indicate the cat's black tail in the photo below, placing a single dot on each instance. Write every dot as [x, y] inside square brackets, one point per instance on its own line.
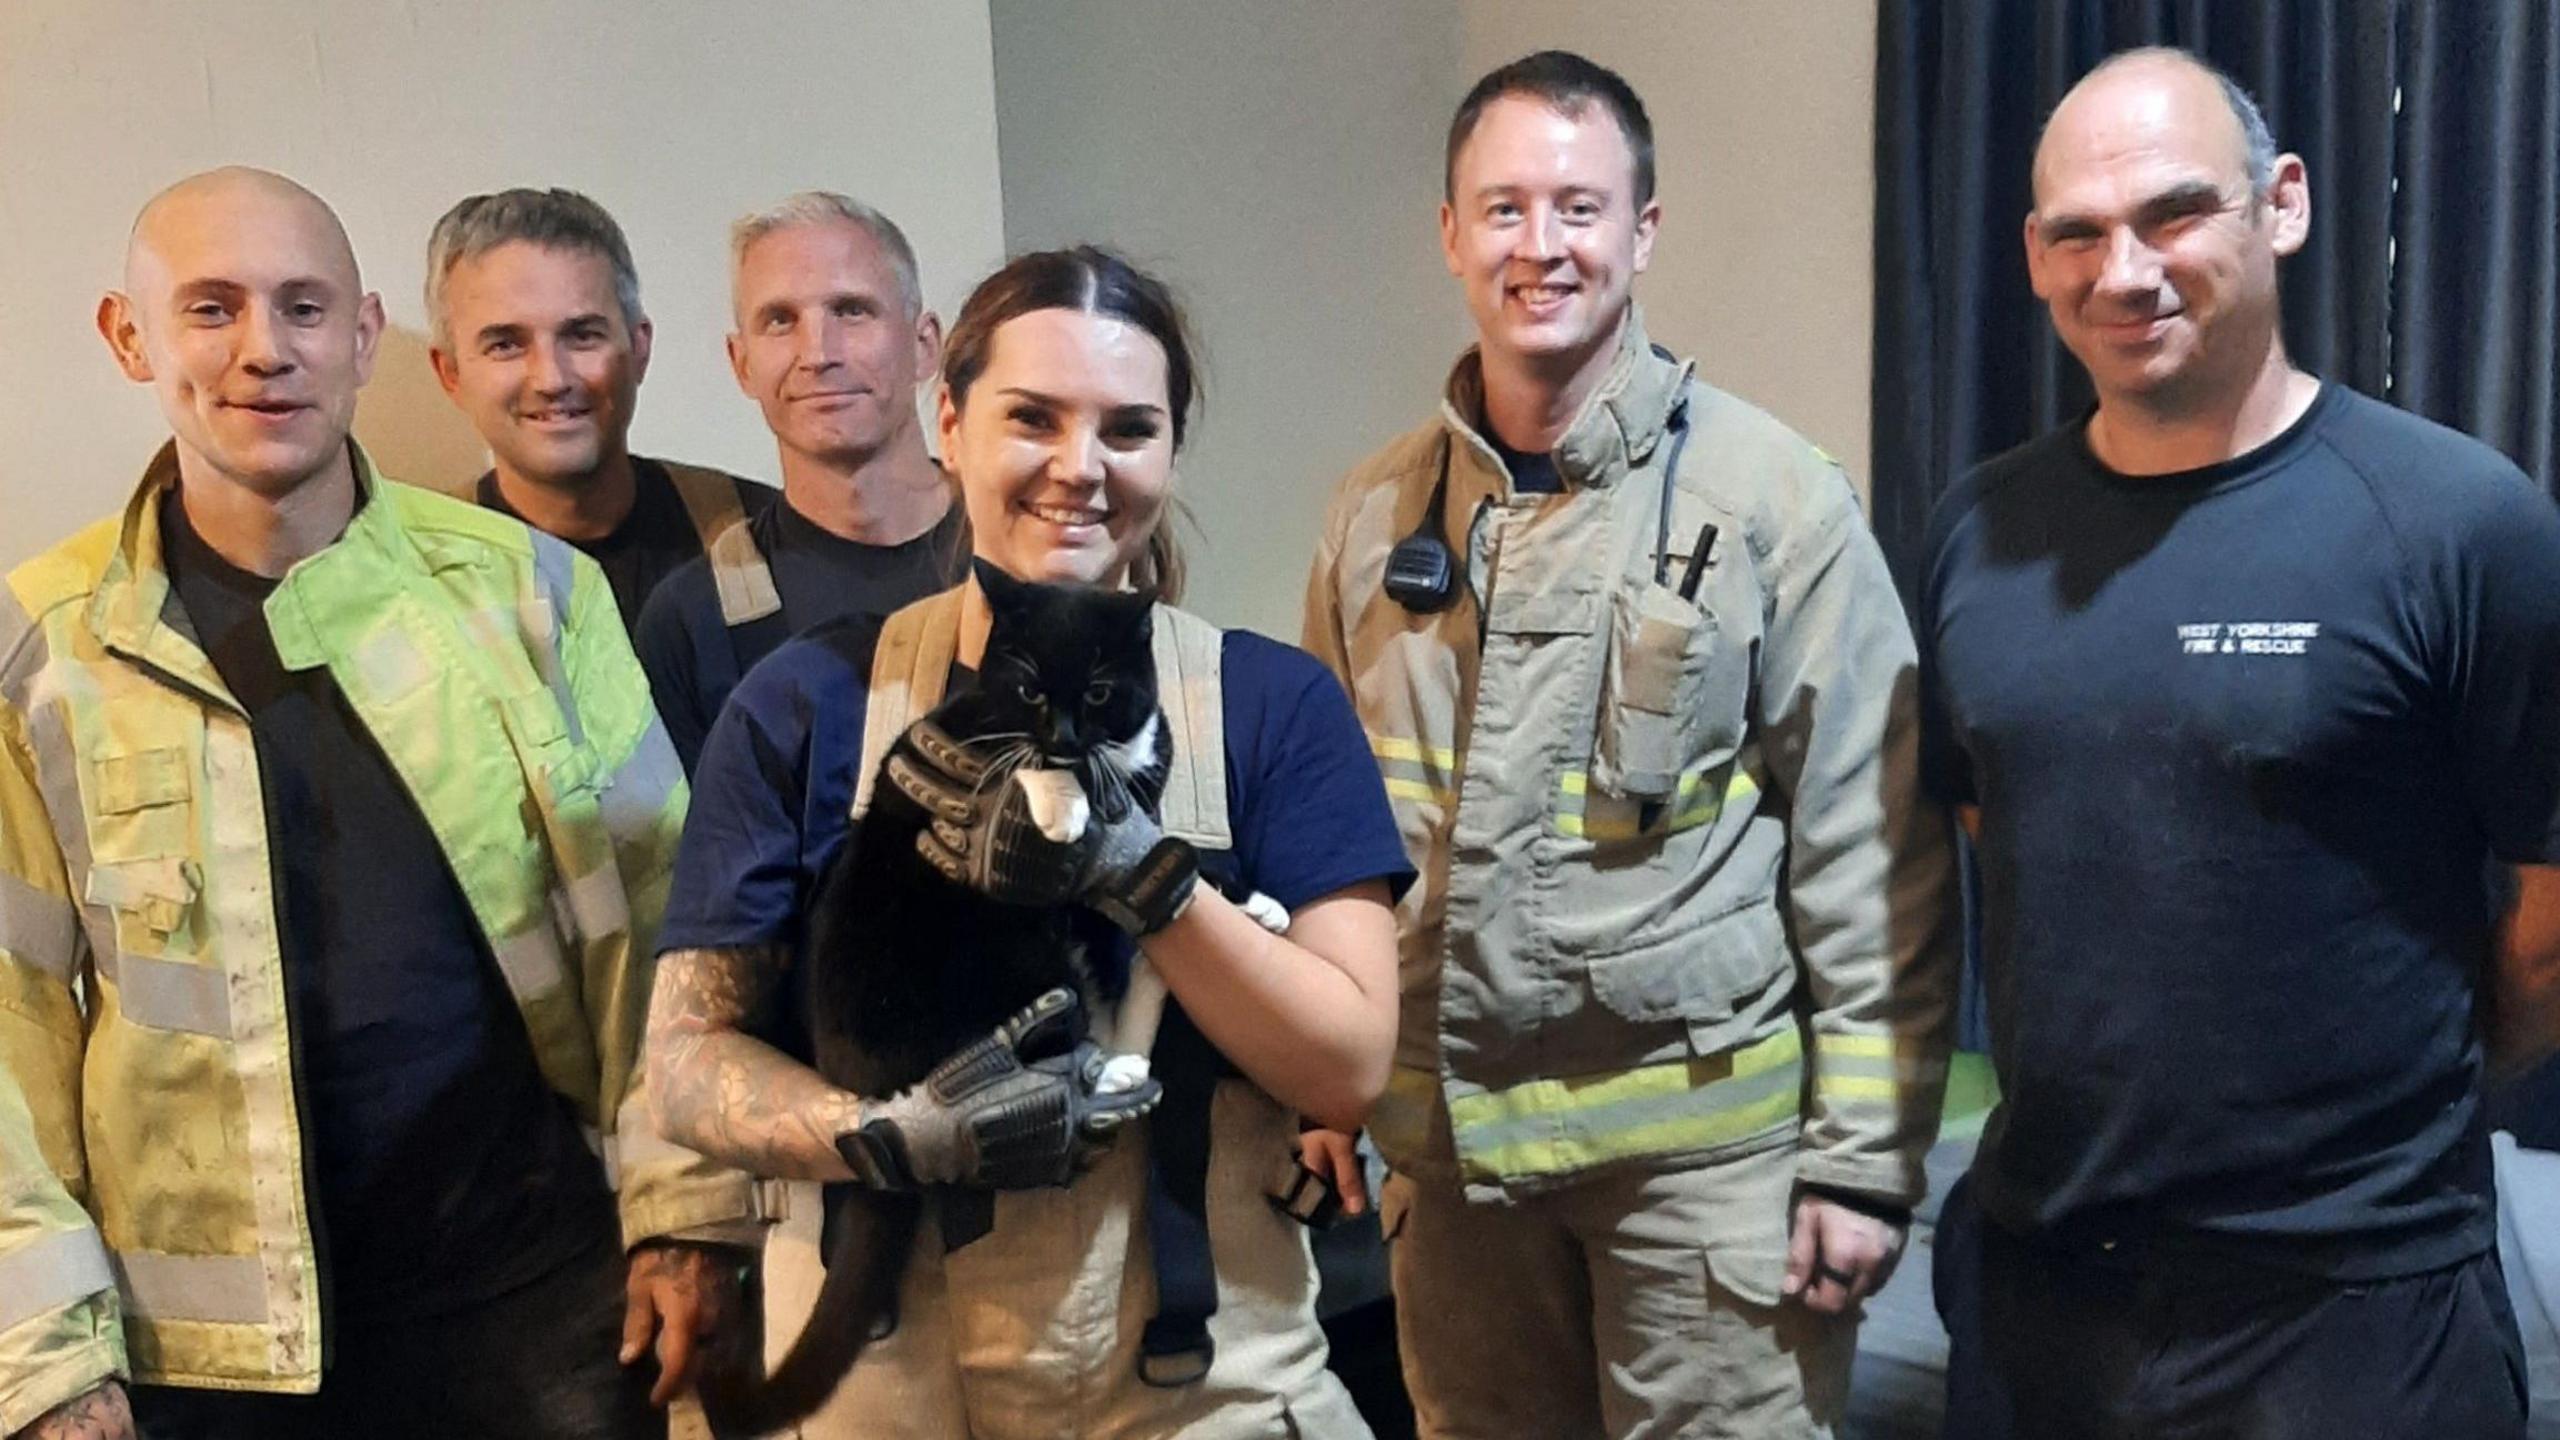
[875, 1233]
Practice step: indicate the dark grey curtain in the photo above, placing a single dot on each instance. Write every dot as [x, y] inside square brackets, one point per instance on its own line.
[2430, 128]
[1966, 364]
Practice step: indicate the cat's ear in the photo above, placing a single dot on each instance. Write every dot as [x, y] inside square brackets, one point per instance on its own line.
[1002, 590]
[1133, 610]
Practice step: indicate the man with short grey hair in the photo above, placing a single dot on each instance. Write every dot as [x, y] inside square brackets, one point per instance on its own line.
[832, 340]
[540, 339]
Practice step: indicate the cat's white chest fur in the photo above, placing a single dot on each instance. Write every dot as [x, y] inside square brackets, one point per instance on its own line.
[1056, 802]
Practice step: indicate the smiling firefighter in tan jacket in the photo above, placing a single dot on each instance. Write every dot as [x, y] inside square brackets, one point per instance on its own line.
[1677, 972]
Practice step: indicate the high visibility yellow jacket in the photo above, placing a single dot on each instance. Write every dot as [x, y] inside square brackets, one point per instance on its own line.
[1680, 893]
[142, 994]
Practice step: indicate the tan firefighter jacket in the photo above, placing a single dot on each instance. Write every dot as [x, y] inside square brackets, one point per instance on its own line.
[1680, 894]
[142, 997]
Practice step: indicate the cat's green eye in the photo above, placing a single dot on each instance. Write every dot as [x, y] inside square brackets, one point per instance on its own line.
[1098, 693]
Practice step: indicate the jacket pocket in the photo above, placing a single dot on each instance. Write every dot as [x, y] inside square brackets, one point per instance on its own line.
[138, 806]
[1670, 698]
[1700, 980]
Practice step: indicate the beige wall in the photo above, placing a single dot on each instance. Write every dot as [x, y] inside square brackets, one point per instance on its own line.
[1278, 163]
[1764, 128]
[675, 116]
[1281, 162]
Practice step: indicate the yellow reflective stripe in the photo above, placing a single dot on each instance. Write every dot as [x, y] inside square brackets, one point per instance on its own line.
[1871, 1047]
[1590, 1092]
[1855, 1087]
[1391, 747]
[1694, 803]
[1419, 790]
[1557, 1127]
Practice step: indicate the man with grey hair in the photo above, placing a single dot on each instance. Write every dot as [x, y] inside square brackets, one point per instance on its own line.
[832, 340]
[2246, 687]
[541, 341]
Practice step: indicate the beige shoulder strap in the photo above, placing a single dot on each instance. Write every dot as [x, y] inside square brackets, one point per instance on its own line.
[913, 662]
[908, 671]
[1189, 684]
[738, 571]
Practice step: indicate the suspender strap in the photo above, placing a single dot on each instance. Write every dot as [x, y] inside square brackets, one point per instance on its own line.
[1189, 678]
[738, 569]
[1175, 1347]
[908, 671]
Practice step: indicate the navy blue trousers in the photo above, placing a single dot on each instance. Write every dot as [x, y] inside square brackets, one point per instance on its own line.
[2049, 1346]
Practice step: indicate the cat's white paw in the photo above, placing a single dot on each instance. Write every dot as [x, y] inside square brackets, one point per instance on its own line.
[1271, 914]
[1121, 1074]
[1057, 803]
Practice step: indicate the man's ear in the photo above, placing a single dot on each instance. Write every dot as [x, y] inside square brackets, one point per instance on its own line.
[2289, 198]
[1449, 239]
[448, 371]
[368, 335]
[738, 364]
[643, 335]
[122, 329]
[1648, 223]
[928, 343]
[2035, 257]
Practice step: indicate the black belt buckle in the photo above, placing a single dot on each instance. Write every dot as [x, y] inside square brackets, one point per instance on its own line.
[1308, 1197]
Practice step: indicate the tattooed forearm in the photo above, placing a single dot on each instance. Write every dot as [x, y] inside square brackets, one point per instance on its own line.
[99, 1414]
[725, 1093]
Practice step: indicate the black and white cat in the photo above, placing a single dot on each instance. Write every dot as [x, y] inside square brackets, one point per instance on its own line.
[904, 966]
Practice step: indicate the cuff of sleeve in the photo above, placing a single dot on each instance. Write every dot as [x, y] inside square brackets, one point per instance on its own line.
[1888, 1211]
[1882, 1188]
[70, 1374]
[737, 1234]
[671, 1209]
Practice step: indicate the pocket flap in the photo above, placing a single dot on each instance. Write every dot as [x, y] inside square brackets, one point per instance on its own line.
[1699, 976]
[139, 779]
[1543, 612]
[158, 889]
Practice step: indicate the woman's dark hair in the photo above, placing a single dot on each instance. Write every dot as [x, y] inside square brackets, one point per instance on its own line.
[1093, 281]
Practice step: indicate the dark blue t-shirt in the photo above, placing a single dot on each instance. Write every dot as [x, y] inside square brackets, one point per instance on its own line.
[444, 1169]
[773, 795]
[694, 658]
[2246, 741]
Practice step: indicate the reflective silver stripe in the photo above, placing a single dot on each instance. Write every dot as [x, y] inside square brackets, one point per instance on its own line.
[221, 1288]
[391, 664]
[172, 995]
[555, 565]
[52, 1271]
[636, 795]
[39, 929]
[596, 904]
[531, 962]
[1190, 671]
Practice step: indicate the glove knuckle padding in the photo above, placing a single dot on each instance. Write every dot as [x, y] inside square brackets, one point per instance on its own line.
[974, 1067]
[1028, 1137]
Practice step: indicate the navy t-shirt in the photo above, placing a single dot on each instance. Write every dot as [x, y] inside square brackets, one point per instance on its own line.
[694, 658]
[2246, 742]
[445, 1170]
[773, 796]
[653, 541]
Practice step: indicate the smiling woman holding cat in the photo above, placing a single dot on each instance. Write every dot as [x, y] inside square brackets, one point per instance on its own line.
[1158, 1293]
